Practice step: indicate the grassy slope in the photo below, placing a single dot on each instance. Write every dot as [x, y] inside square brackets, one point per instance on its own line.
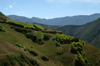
[9, 38]
[89, 32]
[48, 49]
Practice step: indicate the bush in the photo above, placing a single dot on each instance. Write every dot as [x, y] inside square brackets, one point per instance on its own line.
[31, 36]
[37, 27]
[44, 58]
[2, 29]
[76, 47]
[33, 53]
[59, 53]
[34, 62]
[19, 45]
[75, 39]
[63, 39]
[16, 24]
[57, 44]
[46, 37]
[79, 61]
[22, 30]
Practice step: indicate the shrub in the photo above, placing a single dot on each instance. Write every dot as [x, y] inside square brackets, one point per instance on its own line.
[37, 27]
[79, 61]
[31, 36]
[25, 49]
[76, 47]
[2, 29]
[59, 53]
[22, 30]
[29, 27]
[63, 39]
[75, 39]
[19, 45]
[44, 58]
[16, 24]
[33, 53]
[34, 62]
[46, 37]
[57, 44]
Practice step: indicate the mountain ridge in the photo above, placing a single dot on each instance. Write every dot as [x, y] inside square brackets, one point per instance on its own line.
[68, 20]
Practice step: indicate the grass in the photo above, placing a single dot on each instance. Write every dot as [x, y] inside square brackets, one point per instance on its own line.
[8, 46]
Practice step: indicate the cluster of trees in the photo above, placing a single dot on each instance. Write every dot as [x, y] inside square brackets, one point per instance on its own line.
[79, 61]
[63, 39]
[16, 24]
[22, 30]
[37, 27]
[2, 29]
[38, 37]
[34, 27]
[76, 47]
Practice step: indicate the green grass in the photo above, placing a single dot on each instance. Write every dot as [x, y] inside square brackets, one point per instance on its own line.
[49, 49]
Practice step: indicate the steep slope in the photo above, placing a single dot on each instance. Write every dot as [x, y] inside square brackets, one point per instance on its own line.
[89, 32]
[74, 20]
[23, 44]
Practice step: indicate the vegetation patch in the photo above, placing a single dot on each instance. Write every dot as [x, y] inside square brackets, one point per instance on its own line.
[76, 47]
[2, 29]
[59, 53]
[79, 61]
[19, 45]
[63, 39]
[16, 24]
[37, 27]
[22, 30]
[44, 58]
[33, 53]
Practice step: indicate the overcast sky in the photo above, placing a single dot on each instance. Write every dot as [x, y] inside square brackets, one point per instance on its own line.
[49, 8]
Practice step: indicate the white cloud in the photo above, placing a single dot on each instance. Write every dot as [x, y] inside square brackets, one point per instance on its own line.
[69, 1]
[10, 6]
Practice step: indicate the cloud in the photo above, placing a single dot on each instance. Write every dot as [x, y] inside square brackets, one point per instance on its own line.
[69, 1]
[10, 6]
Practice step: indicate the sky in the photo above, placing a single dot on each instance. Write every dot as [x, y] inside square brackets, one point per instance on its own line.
[49, 9]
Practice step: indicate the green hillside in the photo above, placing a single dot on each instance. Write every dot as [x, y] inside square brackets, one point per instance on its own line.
[89, 32]
[23, 44]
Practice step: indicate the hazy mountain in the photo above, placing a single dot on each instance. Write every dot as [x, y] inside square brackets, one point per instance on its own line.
[74, 20]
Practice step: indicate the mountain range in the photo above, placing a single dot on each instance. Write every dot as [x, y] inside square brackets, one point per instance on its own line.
[69, 20]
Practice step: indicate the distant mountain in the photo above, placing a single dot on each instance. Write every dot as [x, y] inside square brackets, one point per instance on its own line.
[74, 20]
